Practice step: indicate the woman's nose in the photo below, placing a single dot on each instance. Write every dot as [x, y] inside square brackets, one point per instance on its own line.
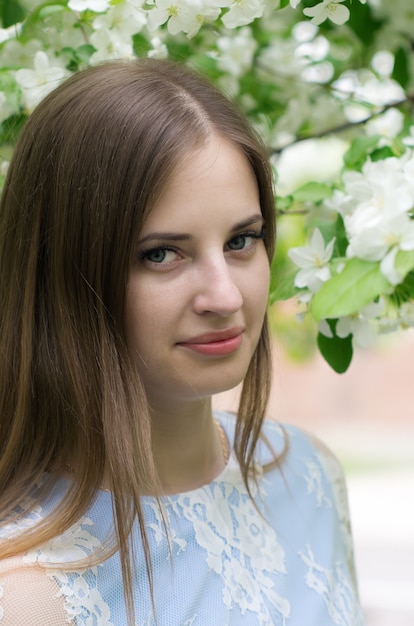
[216, 290]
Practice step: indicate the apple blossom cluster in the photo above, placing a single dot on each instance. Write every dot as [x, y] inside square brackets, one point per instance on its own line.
[376, 206]
[365, 283]
[35, 55]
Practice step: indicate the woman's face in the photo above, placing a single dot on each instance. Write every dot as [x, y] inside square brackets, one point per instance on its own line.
[197, 289]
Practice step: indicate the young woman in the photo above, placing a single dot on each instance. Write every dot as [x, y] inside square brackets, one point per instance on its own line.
[136, 232]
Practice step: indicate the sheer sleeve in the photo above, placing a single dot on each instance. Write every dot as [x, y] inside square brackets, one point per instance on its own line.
[29, 597]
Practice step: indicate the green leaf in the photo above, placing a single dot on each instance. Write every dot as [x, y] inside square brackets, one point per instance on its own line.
[312, 192]
[282, 287]
[141, 45]
[401, 71]
[346, 293]
[404, 262]
[85, 52]
[10, 13]
[284, 203]
[363, 22]
[341, 239]
[404, 292]
[382, 153]
[359, 149]
[206, 65]
[74, 58]
[33, 26]
[49, 9]
[336, 351]
[10, 128]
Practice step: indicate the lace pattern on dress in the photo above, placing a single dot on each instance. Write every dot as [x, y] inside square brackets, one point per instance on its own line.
[83, 602]
[239, 545]
[334, 586]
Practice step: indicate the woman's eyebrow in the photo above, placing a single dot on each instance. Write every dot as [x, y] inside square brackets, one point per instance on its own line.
[157, 236]
[248, 222]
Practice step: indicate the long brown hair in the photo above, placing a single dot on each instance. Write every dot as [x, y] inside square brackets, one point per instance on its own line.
[89, 165]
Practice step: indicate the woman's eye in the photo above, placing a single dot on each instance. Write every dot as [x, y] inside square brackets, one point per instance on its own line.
[160, 256]
[243, 241]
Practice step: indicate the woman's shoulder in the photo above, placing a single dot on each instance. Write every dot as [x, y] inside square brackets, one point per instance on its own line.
[36, 587]
[298, 443]
[314, 476]
[29, 596]
[287, 442]
[304, 458]
[295, 458]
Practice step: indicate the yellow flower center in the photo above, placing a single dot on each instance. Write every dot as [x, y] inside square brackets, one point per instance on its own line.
[173, 10]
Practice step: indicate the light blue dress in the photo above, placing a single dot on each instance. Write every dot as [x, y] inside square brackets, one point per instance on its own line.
[290, 563]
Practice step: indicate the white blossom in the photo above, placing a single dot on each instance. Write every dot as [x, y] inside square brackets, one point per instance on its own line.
[36, 83]
[325, 329]
[383, 62]
[112, 37]
[315, 50]
[304, 31]
[19, 54]
[110, 44]
[5, 35]
[363, 89]
[359, 325]
[159, 49]
[297, 164]
[408, 170]
[236, 52]
[328, 9]
[409, 139]
[97, 6]
[380, 190]
[4, 166]
[242, 12]
[388, 268]
[313, 261]
[388, 125]
[6, 109]
[280, 59]
[184, 15]
[376, 206]
[406, 315]
[318, 73]
[381, 243]
[63, 30]
[124, 19]
[11, 32]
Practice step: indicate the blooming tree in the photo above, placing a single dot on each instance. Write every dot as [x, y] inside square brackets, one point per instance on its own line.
[329, 86]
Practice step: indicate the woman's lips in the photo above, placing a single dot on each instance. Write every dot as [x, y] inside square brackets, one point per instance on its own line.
[219, 343]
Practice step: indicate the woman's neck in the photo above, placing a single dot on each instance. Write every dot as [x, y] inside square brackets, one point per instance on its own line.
[189, 448]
